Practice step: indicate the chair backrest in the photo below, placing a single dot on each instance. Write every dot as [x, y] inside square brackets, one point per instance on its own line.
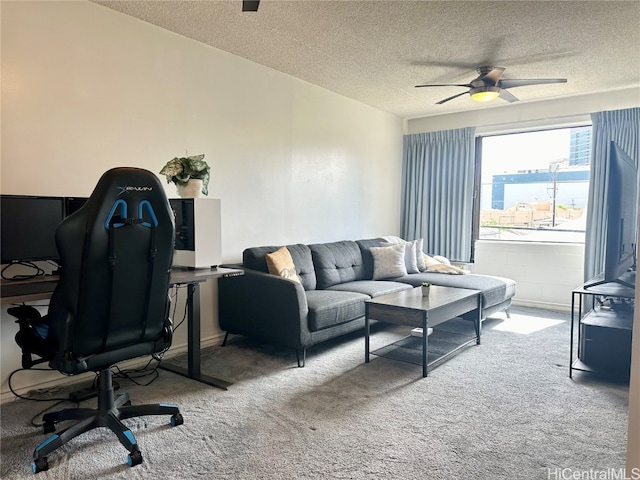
[116, 253]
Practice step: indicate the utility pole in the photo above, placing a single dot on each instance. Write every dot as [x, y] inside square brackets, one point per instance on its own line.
[553, 169]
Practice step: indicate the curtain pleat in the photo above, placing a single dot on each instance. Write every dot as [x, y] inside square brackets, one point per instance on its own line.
[623, 127]
[437, 191]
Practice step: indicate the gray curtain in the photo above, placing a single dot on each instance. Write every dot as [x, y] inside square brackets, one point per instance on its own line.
[623, 127]
[437, 191]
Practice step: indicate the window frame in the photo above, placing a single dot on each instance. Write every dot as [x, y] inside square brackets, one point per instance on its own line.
[524, 127]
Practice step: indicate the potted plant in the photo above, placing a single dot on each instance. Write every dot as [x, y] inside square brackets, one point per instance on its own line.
[426, 286]
[190, 174]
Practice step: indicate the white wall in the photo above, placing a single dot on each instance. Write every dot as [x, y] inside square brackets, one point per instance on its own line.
[546, 273]
[85, 89]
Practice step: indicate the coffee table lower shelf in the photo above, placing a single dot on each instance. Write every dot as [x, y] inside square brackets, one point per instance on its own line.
[443, 345]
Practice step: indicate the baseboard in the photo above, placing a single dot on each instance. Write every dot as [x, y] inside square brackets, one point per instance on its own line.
[53, 384]
[64, 380]
[558, 307]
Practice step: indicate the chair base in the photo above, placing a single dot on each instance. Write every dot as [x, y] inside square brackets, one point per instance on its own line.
[110, 413]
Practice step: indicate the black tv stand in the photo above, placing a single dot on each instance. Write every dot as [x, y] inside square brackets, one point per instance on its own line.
[602, 325]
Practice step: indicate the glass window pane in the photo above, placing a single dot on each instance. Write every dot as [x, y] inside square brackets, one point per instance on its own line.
[534, 185]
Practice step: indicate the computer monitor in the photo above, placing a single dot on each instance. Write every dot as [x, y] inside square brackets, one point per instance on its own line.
[73, 204]
[28, 226]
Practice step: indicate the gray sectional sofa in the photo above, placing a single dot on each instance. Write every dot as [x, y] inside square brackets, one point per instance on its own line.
[335, 280]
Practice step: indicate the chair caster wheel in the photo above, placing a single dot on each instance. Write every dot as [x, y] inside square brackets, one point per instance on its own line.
[40, 465]
[176, 419]
[135, 458]
[48, 428]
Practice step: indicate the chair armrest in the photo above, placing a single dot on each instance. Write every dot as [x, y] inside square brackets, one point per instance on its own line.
[265, 306]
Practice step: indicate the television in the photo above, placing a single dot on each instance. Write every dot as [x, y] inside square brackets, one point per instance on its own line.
[621, 193]
[28, 226]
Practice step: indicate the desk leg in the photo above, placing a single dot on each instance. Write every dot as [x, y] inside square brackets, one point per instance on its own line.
[193, 340]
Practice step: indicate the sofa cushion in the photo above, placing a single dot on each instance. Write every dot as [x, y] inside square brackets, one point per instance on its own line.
[365, 249]
[373, 288]
[329, 307]
[337, 262]
[280, 263]
[255, 259]
[494, 290]
[388, 262]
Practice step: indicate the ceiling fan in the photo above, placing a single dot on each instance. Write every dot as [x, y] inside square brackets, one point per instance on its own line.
[489, 85]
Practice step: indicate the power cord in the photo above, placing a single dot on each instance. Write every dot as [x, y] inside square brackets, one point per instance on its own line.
[58, 401]
[134, 374]
[175, 306]
[38, 271]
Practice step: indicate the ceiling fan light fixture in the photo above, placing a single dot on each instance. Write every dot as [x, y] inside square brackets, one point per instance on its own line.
[484, 94]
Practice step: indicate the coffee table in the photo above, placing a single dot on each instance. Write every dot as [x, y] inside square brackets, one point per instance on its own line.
[410, 308]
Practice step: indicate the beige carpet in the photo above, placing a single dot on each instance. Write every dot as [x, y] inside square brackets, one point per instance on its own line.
[503, 410]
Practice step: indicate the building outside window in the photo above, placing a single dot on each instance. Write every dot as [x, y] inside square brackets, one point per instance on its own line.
[534, 186]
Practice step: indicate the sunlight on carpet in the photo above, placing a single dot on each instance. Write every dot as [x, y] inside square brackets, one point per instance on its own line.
[525, 324]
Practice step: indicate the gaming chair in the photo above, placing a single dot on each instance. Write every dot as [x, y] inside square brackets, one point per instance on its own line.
[111, 303]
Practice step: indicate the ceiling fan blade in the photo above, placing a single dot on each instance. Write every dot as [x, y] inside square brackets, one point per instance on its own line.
[493, 77]
[508, 96]
[433, 63]
[446, 85]
[451, 98]
[250, 5]
[517, 82]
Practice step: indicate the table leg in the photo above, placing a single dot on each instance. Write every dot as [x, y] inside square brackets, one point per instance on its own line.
[366, 334]
[478, 320]
[425, 345]
[193, 344]
[573, 306]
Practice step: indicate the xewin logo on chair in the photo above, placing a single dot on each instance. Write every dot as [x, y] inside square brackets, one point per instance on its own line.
[128, 188]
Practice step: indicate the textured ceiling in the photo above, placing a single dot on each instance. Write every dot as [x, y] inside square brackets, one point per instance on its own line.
[377, 51]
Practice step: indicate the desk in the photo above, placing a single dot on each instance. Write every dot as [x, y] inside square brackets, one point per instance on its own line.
[192, 279]
[41, 287]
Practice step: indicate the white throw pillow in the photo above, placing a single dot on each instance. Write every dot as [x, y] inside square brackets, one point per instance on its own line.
[410, 260]
[419, 254]
[413, 259]
[388, 262]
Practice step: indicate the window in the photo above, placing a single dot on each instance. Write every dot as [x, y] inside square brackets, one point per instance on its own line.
[534, 186]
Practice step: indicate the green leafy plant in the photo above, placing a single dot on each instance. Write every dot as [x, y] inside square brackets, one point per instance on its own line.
[426, 284]
[181, 170]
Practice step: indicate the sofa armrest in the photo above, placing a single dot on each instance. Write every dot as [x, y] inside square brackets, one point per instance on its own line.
[264, 306]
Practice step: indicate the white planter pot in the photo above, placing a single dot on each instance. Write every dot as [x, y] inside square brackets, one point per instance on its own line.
[425, 291]
[192, 189]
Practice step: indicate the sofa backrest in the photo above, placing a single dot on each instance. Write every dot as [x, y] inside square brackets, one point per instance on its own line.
[365, 250]
[337, 262]
[255, 259]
